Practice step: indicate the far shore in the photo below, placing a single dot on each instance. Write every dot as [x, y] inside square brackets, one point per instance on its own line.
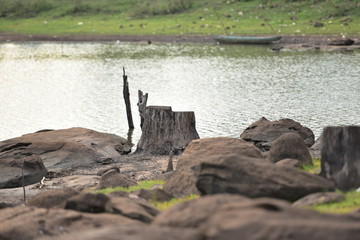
[288, 39]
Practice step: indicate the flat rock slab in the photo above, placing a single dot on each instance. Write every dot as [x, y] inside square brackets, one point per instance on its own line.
[319, 198]
[134, 232]
[234, 218]
[15, 196]
[263, 132]
[66, 148]
[32, 223]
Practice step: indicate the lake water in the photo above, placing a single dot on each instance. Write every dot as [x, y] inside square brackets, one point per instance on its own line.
[55, 85]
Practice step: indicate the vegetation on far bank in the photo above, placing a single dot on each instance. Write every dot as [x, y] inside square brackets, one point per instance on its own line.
[176, 17]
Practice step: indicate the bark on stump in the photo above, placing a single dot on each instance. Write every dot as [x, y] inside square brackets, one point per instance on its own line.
[165, 130]
[340, 156]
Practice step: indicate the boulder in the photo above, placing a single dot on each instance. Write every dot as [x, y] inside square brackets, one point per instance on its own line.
[67, 148]
[193, 213]
[182, 182]
[319, 198]
[156, 194]
[263, 132]
[113, 178]
[13, 168]
[264, 218]
[52, 198]
[254, 177]
[289, 145]
[137, 210]
[32, 223]
[101, 203]
[88, 202]
[289, 162]
[340, 156]
[134, 232]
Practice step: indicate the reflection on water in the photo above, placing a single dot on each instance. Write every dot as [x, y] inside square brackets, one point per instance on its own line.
[54, 85]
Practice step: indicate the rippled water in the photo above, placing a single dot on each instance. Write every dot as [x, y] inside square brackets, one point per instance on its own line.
[54, 86]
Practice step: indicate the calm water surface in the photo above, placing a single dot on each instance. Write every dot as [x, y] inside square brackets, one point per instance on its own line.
[55, 85]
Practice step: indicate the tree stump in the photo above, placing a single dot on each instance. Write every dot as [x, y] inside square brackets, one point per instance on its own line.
[165, 130]
[340, 156]
[142, 101]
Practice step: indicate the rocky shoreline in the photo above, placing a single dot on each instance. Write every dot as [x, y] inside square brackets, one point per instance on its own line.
[249, 186]
[288, 42]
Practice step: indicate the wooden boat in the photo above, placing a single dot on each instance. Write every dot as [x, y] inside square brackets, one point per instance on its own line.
[246, 40]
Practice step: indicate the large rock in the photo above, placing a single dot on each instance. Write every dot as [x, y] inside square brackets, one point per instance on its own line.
[340, 156]
[32, 223]
[254, 177]
[289, 145]
[268, 219]
[182, 182]
[134, 232]
[113, 178]
[193, 213]
[319, 198]
[263, 132]
[101, 203]
[52, 198]
[67, 148]
[12, 170]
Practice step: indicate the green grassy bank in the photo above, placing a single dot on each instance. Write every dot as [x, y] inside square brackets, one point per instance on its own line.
[176, 17]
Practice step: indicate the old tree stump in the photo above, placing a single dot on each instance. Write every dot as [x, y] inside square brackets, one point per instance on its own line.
[340, 156]
[164, 130]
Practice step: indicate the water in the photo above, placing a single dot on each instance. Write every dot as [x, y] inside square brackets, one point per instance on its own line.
[55, 85]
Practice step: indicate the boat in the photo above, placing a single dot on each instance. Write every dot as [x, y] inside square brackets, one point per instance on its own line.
[246, 40]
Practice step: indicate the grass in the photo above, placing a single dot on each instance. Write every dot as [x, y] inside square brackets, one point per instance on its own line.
[352, 198]
[141, 185]
[149, 185]
[172, 202]
[175, 17]
[351, 203]
[312, 168]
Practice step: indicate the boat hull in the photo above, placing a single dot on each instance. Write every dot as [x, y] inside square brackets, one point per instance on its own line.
[246, 40]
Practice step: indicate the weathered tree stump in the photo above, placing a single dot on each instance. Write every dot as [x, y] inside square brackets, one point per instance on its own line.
[142, 101]
[340, 156]
[164, 130]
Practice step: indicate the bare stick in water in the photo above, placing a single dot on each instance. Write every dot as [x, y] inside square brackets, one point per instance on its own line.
[126, 94]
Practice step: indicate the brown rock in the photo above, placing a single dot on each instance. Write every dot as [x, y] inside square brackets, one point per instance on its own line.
[100, 203]
[289, 162]
[52, 198]
[289, 145]
[264, 218]
[134, 232]
[263, 132]
[133, 209]
[254, 177]
[193, 213]
[182, 182]
[67, 148]
[32, 223]
[11, 169]
[113, 178]
[156, 194]
[319, 198]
